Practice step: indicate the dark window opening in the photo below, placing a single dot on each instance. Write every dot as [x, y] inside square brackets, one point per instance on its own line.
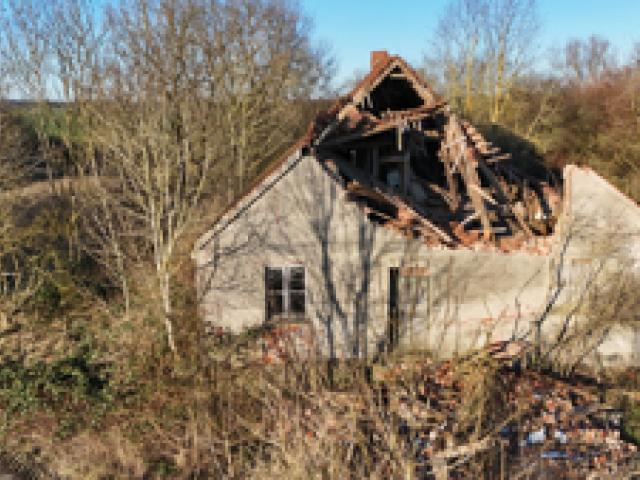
[387, 150]
[393, 327]
[394, 93]
[363, 159]
[428, 167]
[284, 292]
[392, 174]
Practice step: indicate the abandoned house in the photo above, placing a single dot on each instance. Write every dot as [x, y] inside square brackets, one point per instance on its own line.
[395, 224]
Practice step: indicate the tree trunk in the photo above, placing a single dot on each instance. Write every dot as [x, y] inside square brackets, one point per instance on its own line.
[499, 88]
[166, 303]
[469, 74]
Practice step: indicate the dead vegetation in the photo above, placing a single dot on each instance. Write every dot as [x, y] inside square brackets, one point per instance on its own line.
[88, 385]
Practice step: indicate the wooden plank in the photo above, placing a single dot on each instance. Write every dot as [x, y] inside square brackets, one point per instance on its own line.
[441, 192]
[469, 219]
[470, 175]
[359, 189]
[484, 194]
[368, 210]
[496, 184]
[445, 158]
[498, 158]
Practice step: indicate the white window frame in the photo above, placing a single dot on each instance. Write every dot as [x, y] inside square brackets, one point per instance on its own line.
[286, 292]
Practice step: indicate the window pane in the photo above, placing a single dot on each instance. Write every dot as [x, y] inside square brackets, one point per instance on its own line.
[274, 305]
[273, 278]
[296, 302]
[296, 278]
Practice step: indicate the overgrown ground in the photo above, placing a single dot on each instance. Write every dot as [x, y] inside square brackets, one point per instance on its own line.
[89, 389]
[134, 410]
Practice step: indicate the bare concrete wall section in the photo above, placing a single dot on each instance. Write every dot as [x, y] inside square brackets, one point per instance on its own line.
[599, 220]
[462, 299]
[598, 250]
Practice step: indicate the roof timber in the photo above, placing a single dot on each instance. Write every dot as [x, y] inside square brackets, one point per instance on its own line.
[474, 182]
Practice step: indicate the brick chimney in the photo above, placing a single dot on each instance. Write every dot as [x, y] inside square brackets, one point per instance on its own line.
[378, 56]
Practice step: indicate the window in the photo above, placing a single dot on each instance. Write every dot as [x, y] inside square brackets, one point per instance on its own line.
[285, 292]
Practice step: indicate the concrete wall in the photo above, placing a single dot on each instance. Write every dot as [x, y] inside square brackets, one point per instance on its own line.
[598, 247]
[464, 298]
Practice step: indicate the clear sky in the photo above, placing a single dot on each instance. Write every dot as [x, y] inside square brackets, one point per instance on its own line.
[352, 28]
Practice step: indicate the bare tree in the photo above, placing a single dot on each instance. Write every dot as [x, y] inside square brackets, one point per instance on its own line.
[483, 47]
[587, 60]
[177, 101]
[457, 42]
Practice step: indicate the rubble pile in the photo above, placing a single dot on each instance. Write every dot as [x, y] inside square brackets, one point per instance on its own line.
[555, 424]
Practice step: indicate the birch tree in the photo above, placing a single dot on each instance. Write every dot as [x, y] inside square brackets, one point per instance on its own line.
[191, 97]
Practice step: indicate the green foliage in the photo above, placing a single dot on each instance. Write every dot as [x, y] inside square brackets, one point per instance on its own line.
[162, 467]
[631, 420]
[67, 382]
[47, 299]
[55, 122]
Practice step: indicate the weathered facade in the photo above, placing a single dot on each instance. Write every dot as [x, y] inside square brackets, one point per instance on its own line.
[393, 224]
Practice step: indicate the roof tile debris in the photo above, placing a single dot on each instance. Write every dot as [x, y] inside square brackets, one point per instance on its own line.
[410, 164]
[415, 167]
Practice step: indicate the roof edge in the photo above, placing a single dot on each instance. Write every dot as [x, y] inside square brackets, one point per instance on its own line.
[249, 198]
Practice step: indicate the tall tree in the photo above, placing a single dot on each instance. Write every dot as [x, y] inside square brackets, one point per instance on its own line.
[483, 47]
[189, 99]
[167, 102]
[588, 60]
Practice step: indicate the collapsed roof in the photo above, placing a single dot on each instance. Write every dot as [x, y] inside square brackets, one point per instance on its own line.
[411, 164]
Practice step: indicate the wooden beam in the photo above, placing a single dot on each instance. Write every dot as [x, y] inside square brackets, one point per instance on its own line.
[469, 219]
[445, 158]
[484, 194]
[354, 186]
[470, 176]
[486, 171]
[441, 192]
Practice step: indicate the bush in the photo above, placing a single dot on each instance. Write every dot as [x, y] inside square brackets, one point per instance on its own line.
[631, 421]
[71, 380]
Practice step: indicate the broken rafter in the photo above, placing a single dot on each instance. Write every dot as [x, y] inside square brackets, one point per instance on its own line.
[483, 194]
[368, 210]
[470, 176]
[376, 190]
[503, 196]
[446, 158]
[451, 202]
[354, 186]
[498, 158]
[469, 173]
[469, 219]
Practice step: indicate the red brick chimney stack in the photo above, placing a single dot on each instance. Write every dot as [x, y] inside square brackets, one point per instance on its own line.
[378, 56]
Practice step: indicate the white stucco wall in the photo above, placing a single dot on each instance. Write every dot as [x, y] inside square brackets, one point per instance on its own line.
[601, 229]
[469, 297]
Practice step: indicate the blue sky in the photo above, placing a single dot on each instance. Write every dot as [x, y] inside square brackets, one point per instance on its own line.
[352, 28]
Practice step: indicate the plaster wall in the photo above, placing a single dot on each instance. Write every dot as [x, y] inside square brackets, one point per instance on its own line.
[598, 246]
[460, 298]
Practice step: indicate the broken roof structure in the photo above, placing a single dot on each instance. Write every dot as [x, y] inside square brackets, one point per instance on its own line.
[411, 164]
[394, 221]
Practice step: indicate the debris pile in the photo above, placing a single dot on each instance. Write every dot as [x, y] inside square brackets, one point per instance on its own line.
[532, 424]
[553, 423]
